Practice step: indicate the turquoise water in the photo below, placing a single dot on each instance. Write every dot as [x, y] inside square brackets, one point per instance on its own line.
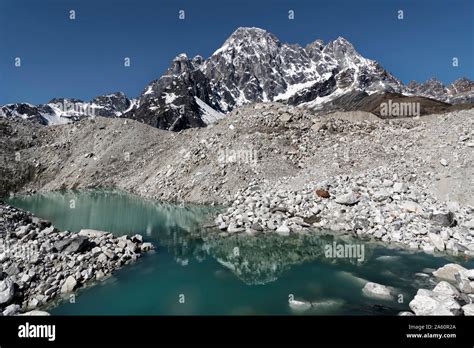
[192, 273]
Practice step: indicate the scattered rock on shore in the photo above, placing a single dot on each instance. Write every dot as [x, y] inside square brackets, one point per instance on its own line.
[448, 271]
[377, 291]
[365, 205]
[451, 296]
[42, 264]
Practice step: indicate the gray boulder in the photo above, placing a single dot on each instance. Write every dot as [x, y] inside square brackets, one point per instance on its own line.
[469, 274]
[411, 206]
[444, 219]
[23, 231]
[463, 283]
[7, 291]
[468, 309]
[377, 291]
[448, 271]
[146, 247]
[428, 302]
[444, 288]
[283, 230]
[91, 233]
[381, 195]
[137, 238]
[69, 285]
[437, 241]
[299, 306]
[11, 310]
[102, 258]
[347, 199]
[60, 245]
[256, 227]
[78, 244]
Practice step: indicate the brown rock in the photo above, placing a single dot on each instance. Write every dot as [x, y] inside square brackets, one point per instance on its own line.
[322, 193]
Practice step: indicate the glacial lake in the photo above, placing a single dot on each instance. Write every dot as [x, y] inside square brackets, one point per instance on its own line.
[191, 273]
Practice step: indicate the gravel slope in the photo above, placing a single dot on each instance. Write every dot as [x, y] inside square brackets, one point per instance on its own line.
[287, 146]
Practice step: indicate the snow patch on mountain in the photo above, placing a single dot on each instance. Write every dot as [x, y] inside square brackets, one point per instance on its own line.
[209, 115]
[292, 89]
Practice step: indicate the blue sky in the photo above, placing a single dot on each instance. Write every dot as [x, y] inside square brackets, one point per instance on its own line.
[84, 57]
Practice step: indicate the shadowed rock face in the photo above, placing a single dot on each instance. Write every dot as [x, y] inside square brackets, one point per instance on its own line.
[374, 103]
[25, 111]
[112, 104]
[169, 103]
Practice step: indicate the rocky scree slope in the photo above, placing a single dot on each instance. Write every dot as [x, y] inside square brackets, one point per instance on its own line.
[14, 136]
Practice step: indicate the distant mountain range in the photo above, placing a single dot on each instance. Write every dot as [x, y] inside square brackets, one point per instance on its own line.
[251, 66]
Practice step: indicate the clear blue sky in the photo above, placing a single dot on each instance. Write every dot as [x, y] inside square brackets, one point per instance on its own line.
[83, 58]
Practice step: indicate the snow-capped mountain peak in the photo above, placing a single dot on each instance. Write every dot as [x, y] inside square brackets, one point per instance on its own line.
[253, 65]
[248, 37]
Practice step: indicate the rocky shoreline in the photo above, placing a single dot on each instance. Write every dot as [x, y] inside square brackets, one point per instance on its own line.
[453, 295]
[40, 264]
[375, 205]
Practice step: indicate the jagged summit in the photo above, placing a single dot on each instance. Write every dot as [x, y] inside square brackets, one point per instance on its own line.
[250, 33]
[315, 45]
[62, 100]
[181, 57]
[341, 41]
[246, 38]
[340, 46]
[460, 91]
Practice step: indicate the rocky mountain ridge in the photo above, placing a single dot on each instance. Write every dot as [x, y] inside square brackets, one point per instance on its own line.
[458, 92]
[251, 66]
[65, 110]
